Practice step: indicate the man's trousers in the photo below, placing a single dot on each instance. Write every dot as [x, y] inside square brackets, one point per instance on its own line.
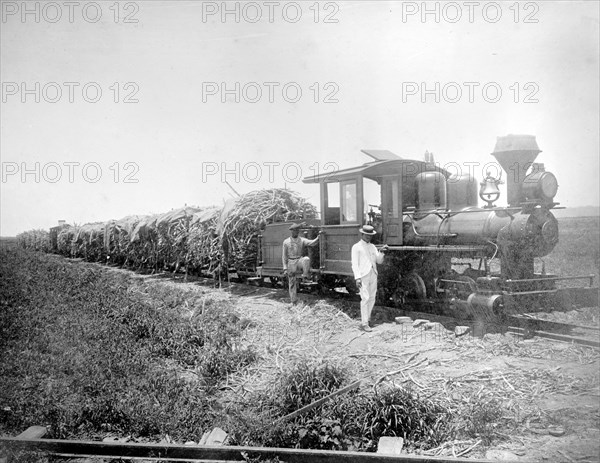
[294, 267]
[368, 294]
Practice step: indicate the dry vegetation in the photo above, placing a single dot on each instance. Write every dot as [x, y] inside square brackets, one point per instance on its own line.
[93, 352]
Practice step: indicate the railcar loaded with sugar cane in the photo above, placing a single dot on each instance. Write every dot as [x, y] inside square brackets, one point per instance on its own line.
[443, 247]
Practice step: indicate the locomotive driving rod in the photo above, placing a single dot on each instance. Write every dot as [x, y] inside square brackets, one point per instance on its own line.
[577, 277]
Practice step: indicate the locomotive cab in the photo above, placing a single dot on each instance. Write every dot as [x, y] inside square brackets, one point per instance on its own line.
[378, 193]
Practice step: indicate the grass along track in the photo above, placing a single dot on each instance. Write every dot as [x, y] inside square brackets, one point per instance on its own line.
[445, 375]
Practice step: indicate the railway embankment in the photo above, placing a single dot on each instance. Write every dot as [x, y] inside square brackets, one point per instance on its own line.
[94, 352]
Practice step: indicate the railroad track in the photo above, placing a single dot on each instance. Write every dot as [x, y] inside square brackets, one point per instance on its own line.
[566, 332]
[524, 326]
[31, 440]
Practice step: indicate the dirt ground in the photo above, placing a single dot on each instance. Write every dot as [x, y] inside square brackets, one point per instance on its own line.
[549, 390]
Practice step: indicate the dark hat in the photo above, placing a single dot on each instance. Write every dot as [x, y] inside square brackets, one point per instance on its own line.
[296, 226]
[367, 230]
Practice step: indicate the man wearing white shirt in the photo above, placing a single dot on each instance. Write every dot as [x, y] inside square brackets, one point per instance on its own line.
[365, 258]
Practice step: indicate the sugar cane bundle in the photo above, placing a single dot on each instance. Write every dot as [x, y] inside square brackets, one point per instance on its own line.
[242, 220]
[65, 241]
[89, 241]
[203, 242]
[38, 240]
[117, 239]
[172, 229]
[144, 241]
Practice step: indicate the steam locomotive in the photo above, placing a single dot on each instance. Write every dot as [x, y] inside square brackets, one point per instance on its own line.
[442, 246]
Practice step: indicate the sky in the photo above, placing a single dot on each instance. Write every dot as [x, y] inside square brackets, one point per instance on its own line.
[117, 108]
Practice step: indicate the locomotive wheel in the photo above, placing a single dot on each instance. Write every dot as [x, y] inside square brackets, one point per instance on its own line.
[383, 295]
[411, 287]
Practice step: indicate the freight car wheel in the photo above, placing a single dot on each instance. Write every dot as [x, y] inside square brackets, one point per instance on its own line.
[350, 285]
[274, 281]
[323, 290]
[326, 284]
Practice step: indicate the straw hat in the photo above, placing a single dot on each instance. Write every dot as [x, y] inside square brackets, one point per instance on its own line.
[367, 230]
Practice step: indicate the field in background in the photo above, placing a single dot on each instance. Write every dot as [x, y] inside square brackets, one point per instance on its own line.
[578, 249]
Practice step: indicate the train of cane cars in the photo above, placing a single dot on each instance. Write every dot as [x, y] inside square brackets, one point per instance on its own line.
[445, 251]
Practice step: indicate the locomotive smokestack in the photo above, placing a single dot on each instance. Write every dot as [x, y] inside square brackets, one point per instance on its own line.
[515, 153]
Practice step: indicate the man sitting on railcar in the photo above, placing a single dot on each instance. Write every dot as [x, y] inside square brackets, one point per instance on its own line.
[294, 259]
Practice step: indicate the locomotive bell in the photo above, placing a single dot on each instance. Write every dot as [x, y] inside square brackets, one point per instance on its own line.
[489, 191]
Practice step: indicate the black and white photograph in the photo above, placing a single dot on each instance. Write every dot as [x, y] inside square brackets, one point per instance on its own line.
[299, 231]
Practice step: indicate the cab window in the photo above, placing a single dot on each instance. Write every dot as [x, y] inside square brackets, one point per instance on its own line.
[349, 201]
[331, 211]
[372, 200]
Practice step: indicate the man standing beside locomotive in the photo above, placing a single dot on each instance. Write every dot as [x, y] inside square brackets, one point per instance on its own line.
[365, 258]
[293, 259]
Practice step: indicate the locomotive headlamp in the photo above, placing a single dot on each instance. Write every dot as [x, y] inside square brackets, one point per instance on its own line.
[489, 191]
[540, 186]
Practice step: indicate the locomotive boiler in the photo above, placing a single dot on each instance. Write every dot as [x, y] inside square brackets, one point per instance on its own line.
[520, 232]
[442, 244]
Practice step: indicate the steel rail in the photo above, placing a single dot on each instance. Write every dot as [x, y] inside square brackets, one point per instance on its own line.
[524, 327]
[176, 452]
[526, 333]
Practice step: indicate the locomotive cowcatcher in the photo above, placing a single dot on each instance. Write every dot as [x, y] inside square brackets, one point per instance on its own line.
[443, 247]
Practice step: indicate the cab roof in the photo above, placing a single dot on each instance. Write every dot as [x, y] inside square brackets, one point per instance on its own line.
[386, 163]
